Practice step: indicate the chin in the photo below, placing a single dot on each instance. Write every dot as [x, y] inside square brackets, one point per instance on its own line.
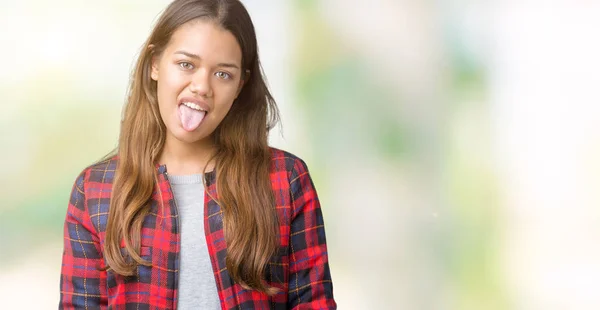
[186, 136]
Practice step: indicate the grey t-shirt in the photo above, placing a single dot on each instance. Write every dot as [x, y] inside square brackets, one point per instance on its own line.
[197, 286]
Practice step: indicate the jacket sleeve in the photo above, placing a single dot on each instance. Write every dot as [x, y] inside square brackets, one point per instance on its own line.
[82, 283]
[310, 285]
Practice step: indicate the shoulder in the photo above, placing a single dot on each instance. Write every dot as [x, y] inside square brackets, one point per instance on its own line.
[93, 185]
[101, 172]
[288, 162]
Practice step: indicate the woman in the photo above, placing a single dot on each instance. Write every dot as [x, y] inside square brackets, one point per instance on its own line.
[234, 224]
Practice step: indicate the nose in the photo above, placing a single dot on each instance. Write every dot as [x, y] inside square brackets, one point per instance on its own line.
[200, 83]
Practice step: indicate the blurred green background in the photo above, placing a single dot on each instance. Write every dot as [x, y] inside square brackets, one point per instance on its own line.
[453, 144]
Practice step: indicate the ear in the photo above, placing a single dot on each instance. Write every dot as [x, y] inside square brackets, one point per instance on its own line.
[243, 82]
[155, 59]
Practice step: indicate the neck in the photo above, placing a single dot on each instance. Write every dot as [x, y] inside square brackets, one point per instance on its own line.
[182, 158]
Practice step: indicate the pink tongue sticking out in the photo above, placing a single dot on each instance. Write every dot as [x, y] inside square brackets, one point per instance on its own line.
[190, 118]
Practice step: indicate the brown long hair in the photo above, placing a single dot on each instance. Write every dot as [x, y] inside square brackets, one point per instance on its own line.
[242, 158]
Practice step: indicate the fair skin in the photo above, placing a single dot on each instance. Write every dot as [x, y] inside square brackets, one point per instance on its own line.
[201, 64]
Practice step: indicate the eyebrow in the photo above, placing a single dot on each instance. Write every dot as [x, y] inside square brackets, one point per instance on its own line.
[194, 56]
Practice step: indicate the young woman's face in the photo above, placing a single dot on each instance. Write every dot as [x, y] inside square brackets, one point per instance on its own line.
[198, 77]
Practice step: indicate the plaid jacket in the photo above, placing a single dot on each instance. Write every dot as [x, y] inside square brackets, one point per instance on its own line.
[300, 270]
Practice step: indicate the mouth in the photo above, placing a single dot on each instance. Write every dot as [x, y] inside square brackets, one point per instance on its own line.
[194, 104]
[191, 113]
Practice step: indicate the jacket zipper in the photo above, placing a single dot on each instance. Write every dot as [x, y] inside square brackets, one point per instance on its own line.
[177, 255]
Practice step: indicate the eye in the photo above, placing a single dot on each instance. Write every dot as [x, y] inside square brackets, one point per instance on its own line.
[186, 65]
[223, 75]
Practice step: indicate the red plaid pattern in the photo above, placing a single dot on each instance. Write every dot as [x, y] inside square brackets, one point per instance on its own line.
[300, 270]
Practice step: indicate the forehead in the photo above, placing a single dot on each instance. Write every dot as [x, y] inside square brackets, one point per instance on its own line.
[207, 40]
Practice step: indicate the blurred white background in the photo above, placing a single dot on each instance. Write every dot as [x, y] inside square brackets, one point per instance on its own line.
[453, 144]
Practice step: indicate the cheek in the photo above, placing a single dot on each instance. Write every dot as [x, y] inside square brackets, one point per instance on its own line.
[170, 80]
[169, 86]
[228, 93]
[225, 100]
